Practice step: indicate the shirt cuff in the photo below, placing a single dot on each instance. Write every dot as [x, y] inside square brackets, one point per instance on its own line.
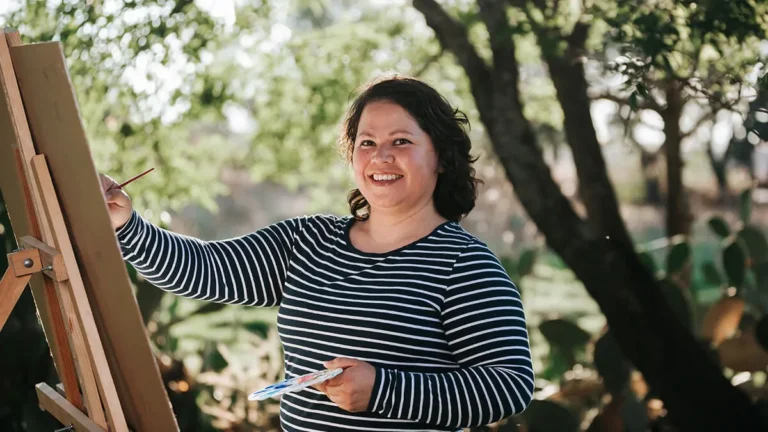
[128, 230]
[381, 387]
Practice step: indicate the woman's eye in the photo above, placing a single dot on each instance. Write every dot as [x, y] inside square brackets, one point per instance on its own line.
[366, 143]
[401, 141]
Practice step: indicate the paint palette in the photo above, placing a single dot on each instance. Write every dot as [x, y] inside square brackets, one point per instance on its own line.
[294, 384]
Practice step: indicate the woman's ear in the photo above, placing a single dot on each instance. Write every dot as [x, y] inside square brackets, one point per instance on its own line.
[440, 166]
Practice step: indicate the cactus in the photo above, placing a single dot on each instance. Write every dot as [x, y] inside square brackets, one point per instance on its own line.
[548, 416]
[734, 263]
[745, 261]
[745, 205]
[755, 243]
[678, 300]
[611, 364]
[678, 257]
[566, 340]
[648, 261]
[722, 319]
[712, 274]
[719, 226]
[761, 332]
[526, 262]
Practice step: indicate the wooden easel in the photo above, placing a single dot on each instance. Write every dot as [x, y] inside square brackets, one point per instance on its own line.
[68, 253]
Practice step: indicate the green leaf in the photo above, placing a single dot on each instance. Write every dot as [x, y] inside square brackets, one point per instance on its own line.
[209, 307]
[734, 263]
[127, 130]
[215, 361]
[558, 361]
[745, 205]
[563, 333]
[526, 262]
[711, 273]
[678, 301]
[544, 415]
[719, 226]
[132, 274]
[678, 256]
[611, 364]
[633, 101]
[648, 262]
[760, 270]
[173, 344]
[260, 328]
[642, 90]
[510, 266]
[173, 308]
[754, 239]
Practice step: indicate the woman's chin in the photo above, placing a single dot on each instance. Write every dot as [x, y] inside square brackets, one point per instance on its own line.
[386, 204]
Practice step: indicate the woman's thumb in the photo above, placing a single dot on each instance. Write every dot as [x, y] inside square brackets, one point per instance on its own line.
[340, 362]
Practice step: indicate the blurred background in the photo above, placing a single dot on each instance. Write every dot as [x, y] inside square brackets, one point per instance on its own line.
[649, 116]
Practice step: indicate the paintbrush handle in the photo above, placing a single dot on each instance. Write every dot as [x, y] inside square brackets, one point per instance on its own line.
[136, 177]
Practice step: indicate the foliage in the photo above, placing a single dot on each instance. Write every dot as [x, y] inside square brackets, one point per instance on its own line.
[144, 82]
[685, 41]
[603, 387]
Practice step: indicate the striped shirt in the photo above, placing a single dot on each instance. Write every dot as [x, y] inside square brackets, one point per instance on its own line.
[439, 319]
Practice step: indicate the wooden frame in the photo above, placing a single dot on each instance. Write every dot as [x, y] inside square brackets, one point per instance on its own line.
[70, 255]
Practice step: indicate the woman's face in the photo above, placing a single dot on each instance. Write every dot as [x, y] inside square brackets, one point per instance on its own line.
[394, 161]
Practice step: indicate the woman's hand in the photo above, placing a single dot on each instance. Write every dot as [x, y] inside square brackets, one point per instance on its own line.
[351, 390]
[118, 201]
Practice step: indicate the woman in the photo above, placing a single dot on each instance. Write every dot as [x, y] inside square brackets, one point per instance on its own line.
[425, 322]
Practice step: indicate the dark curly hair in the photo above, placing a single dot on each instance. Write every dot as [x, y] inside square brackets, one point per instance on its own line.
[456, 188]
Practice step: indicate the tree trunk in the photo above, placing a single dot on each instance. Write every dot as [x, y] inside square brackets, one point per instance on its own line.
[719, 169]
[649, 164]
[679, 217]
[600, 254]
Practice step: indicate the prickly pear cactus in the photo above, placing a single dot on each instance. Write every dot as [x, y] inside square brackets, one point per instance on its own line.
[744, 259]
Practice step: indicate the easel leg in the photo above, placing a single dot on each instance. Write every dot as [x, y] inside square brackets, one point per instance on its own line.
[11, 287]
[28, 203]
[90, 355]
[67, 374]
[58, 407]
[22, 265]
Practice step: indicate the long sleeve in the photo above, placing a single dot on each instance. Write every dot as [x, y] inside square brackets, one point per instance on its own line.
[248, 270]
[485, 328]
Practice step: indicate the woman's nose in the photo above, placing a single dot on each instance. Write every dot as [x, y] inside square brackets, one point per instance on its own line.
[383, 155]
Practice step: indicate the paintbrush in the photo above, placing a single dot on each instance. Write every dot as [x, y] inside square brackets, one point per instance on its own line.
[120, 186]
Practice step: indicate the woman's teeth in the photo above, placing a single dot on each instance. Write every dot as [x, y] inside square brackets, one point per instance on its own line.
[386, 177]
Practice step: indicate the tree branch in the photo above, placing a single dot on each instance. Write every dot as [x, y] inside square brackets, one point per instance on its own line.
[699, 123]
[567, 72]
[505, 68]
[453, 37]
[429, 62]
[646, 104]
[715, 107]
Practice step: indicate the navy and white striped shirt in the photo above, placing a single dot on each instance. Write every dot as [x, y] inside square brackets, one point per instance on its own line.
[439, 319]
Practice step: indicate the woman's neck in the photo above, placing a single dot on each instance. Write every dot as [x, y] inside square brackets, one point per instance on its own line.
[393, 228]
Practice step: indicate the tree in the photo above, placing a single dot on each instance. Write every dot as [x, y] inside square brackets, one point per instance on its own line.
[678, 56]
[598, 249]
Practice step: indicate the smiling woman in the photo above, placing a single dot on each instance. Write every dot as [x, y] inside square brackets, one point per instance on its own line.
[427, 326]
